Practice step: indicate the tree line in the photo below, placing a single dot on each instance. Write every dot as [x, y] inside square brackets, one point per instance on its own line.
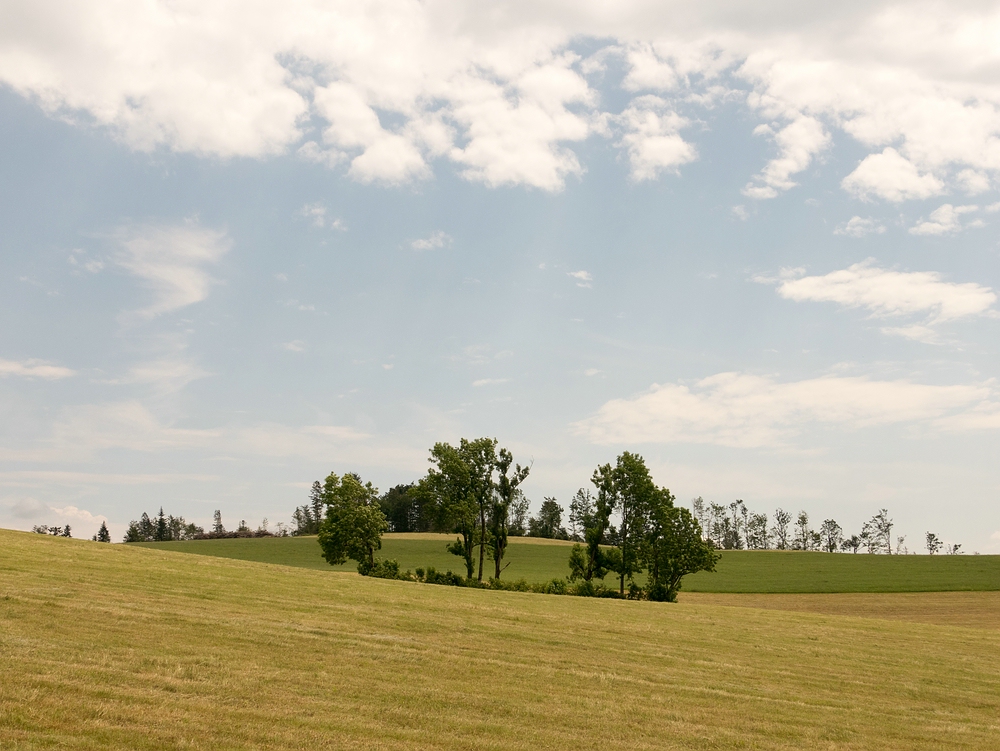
[474, 491]
[736, 527]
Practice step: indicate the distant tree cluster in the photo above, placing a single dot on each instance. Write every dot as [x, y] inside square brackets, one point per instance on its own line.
[161, 528]
[474, 490]
[166, 528]
[736, 527]
[44, 529]
[935, 545]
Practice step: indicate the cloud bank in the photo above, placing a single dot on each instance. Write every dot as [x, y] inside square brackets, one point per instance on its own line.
[748, 411]
[506, 92]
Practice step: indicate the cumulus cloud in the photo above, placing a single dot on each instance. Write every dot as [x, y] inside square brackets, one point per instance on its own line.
[798, 142]
[886, 293]
[437, 239]
[383, 90]
[34, 369]
[891, 176]
[172, 261]
[943, 220]
[747, 411]
[856, 226]
[583, 278]
[651, 138]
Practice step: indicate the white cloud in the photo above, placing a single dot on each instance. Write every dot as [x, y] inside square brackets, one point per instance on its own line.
[591, 372]
[171, 259]
[315, 213]
[891, 176]
[296, 345]
[858, 227]
[396, 85]
[743, 410]
[740, 212]
[943, 220]
[488, 382]
[583, 278]
[437, 239]
[651, 138]
[798, 142]
[886, 293]
[34, 369]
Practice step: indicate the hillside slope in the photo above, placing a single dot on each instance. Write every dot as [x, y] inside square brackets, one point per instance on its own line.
[117, 646]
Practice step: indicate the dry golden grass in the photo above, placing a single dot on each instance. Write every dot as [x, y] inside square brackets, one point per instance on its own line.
[971, 609]
[109, 646]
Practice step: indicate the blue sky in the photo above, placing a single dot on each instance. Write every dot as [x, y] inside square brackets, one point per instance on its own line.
[242, 250]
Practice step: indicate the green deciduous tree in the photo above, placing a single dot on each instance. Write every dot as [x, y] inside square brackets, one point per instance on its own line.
[673, 547]
[459, 490]
[353, 524]
[548, 523]
[505, 495]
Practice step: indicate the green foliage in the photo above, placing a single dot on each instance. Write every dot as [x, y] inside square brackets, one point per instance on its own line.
[673, 547]
[165, 528]
[354, 522]
[103, 535]
[458, 492]
[506, 493]
[548, 523]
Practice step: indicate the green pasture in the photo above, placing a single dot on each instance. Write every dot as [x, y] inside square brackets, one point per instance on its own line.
[759, 571]
[116, 646]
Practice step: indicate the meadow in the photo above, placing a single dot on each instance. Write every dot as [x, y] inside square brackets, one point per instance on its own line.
[129, 647]
[758, 571]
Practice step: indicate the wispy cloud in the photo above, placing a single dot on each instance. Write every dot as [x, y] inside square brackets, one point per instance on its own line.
[437, 239]
[488, 382]
[34, 369]
[886, 293]
[172, 260]
[318, 215]
[296, 345]
[583, 278]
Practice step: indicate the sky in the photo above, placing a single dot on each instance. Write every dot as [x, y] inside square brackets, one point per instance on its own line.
[247, 244]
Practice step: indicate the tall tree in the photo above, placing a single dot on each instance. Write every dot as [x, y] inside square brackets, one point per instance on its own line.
[519, 514]
[217, 527]
[592, 562]
[674, 547]
[581, 513]
[548, 523]
[354, 522]
[882, 528]
[832, 535]
[103, 535]
[316, 506]
[459, 488]
[162, 533]
[934, 543]
[757, 534]
[505, 494]
[803, 533]
[780, 530]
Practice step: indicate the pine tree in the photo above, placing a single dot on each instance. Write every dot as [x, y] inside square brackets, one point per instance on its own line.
[217, 528]
[103, 535]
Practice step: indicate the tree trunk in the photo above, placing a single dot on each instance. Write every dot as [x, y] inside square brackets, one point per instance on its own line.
[482, 541]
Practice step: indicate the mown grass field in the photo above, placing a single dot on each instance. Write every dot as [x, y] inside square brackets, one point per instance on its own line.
[113, 646]
[759, 571]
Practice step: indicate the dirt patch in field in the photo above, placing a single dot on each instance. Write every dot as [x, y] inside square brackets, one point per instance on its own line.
[970, 609]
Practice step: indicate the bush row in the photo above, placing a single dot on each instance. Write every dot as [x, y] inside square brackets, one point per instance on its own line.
[389, 569]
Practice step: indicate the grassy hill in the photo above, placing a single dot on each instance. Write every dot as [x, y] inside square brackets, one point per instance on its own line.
[760, 571]
[113, 646]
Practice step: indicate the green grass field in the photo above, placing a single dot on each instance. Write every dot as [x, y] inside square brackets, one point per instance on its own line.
[114, 646]
[738, 571]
